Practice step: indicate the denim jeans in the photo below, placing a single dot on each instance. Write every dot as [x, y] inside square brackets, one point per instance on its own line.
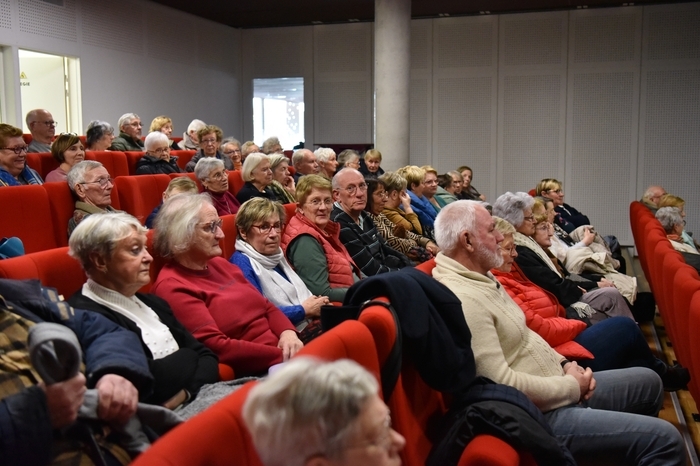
[617, 426]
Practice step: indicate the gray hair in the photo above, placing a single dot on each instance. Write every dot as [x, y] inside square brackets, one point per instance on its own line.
[269, 143]
[453, 219]
[510, 207]
[323, 154]
[335, 182]
[153, 138]
[348, 155]
[298, 156]
[250, 163]
[100, 233]
[393, 182]
[195, 125]
[276, 159]
[205, 166]
[95, 130]
[669, 217]
[176, 221]
[454, 173]
[76, 175]
[233, 141]
[126, 119]
[308, 407]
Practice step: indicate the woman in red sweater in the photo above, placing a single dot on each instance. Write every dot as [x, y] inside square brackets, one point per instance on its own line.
[211, 296]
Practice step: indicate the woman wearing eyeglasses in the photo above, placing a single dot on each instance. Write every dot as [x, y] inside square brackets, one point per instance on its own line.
[157, 159]
[311, 242]
[209, 142]
[91, 184]
[231, 148]
[258, 254]
[257, 175]
[210, 296]
[214, 178]
[14, 170]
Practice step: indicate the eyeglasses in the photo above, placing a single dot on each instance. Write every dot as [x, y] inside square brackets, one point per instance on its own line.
[266, 228]
[101, 181]
[208, 141]
[509, 250]
[556, 191]
[382, 194]
[161, 151]
[220, 176]
[48, 124]
[135, 124]
[317, 202]
[235, 151]
[17, 150]
[531, 218]
[542, 227]
[352, 189]
[210, 227]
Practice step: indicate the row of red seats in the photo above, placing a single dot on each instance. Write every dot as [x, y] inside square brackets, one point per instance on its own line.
[676, 288]
[28, 138]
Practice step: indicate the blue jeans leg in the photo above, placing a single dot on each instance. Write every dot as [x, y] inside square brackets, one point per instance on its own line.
[616, 426]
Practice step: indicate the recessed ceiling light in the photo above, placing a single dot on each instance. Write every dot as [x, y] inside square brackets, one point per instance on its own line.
[354, 20]
[316, 22]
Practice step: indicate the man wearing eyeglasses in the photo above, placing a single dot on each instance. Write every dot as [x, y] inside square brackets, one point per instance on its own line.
[13, 159]
[92, 185]
[129, 138]
[43, 128]
[358, 234]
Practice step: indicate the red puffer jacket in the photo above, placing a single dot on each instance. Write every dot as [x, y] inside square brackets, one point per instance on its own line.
[543, 314]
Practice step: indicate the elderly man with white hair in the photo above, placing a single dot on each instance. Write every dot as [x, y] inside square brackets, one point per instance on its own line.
[652, 196]
[157, 159]
[43, 129]
[90, 182]
[129, 138]
[606, 419]
[305, 163]
[190, 139]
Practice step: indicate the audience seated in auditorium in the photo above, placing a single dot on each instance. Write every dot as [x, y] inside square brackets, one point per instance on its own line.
[257, 175]
[614, 343]
[258, 254]
[568, 218]
[304, 163]
[431, 187]
[99, 136]
[129, 138]
[211, 297]
[68, 150]
[327, 161]
[468, 190]
[112, 250]
[608, 418]
[190, 138]
[652, 196]
[348, 159]
[368, 249]
[157, 159]
[248, 147]
[415, 184]
[43, 128]
[214, 178]
[14, 170]
[272, 145]
[318, 413]
[531, 236]
[446, 189]
[283, 185]
[416, 247]
[397, 207]
[370, 164]
[669, 200]
[312, 244]
[164, 124]
[209, 140]
[673, 223]
[231, 149]
[92, 186]
[35, 413]
[179, 185]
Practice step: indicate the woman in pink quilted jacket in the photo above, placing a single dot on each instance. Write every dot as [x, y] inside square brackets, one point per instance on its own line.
[614, 343]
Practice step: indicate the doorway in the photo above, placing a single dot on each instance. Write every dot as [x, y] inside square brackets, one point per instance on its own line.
[278, 110]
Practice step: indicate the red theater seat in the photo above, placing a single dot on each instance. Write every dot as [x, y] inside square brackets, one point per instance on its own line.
[54, 268]
[139, 195]
[26, 214]
[183, 156]
[43, 162]
[114, 161]
[132, 158]
[228, 243]
[235, 181]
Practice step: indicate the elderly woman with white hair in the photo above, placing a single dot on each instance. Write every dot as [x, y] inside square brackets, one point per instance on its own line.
[91, 184]
[321, 413]
[283, 185]
[325, 156]
[257, 175]
[211, 296]
[259, 256]
[112, 250]
[129, 138]
[348, 159]
[542, 268]
[231, 149]
[157, 159]
[99, 135]
[214, 178]
[672, 221]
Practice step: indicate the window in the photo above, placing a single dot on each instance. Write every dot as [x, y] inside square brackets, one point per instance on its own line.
[278, 110]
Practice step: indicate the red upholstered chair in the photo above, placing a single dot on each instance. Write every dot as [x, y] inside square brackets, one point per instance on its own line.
[26, 214]
[42, 162]
[54, 268]
[686, 283]
[190, 176]
[132, 158]
[235, 181]
[139, 195]
[183, 156]
[228, 243]
[27, 138]
[291, 169]
[694, 347]
[62, 205]
[427, 266]
[114, 161]
[290, 210]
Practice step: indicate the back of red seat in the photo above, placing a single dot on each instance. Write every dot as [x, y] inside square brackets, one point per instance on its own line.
[427, 267]
[139, 195]
[132, 158]
[54, 268]
[26, 213]
[114, 161]
[694, 347]
[62, 205]
[235, 181]
[191, 176]
[290, 210]
[27, 138]
[183, 156]
[686, 283]
[42, 162]
[228, 243]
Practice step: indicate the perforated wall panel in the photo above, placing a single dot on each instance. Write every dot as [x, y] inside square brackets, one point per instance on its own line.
[277, 53]
[113, 25]
[341, 109]
[419, 44]
[604, 38]
[463, 44]
[217, 47]
[531, 129]
[341, 50]
[464, 126]
[44, 19]
[602, 140]
[5, 14]
[419, 121]
[536, 41]
[674, 34]
[167, 42]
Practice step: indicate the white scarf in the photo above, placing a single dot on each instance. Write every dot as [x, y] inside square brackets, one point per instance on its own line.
[277, 289]
[154, 333]
[525, 241]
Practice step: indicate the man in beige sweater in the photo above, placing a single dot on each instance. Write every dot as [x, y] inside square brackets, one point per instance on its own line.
[620, 424]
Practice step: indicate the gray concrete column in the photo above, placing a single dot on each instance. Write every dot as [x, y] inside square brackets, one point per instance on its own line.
[392, 76]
